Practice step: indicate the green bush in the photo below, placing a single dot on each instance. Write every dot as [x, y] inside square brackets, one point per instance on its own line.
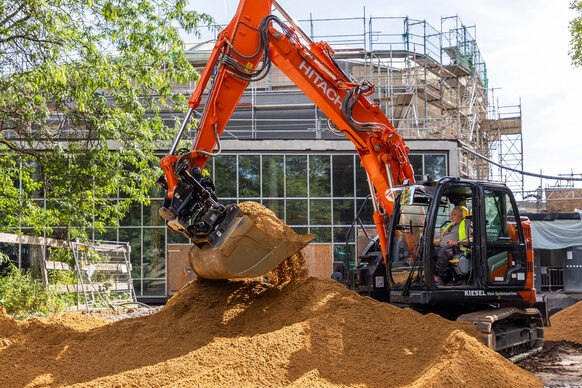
[24, 296]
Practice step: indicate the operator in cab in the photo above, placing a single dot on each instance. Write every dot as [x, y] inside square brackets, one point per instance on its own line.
[457, 232]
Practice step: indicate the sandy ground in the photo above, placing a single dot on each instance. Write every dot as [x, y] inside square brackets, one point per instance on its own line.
[293, 331]
[310, 332]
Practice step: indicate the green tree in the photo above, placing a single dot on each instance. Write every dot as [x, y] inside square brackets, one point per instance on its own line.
[78, 79]
[576, 33]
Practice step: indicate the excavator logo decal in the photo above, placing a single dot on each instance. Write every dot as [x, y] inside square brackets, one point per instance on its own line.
[330, 93]
[475, 293]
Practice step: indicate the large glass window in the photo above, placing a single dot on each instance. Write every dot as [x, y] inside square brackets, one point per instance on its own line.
[315, 193]
[249, 171]
[434, 165]
[273, 173]
[296, 174]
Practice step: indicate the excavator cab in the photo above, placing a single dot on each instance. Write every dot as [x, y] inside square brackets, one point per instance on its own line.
[492, 254]
[495, 260]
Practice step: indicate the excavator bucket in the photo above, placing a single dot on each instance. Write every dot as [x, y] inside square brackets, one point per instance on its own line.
[244, 247]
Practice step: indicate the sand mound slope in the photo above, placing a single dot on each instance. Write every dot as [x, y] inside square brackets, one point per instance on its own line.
[310, 332]
[566, 325]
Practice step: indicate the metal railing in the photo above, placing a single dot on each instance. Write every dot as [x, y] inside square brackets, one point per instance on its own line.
[552, 279]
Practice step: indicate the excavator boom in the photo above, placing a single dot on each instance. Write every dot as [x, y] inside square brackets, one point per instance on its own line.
[227, 243]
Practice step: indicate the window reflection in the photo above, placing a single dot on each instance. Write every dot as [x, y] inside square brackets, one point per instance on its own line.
[296, 212]
[320, 212]
[416, 162]
[154, 253]
[322, 235]
[272, 178]
[343, 175]
[319, 176]
[435, 166]
[248, 175]
[277, 206]
[341, 254]
[362, 187]
[133, 215]
[296, 175]
[151, 215]
[367, 213]
[343, 211]
[132, 236]
[225, 176]
[154, 287]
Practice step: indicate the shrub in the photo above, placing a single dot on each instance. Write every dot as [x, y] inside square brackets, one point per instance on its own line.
[24, 296]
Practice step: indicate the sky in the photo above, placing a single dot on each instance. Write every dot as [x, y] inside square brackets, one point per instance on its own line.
[525, 44]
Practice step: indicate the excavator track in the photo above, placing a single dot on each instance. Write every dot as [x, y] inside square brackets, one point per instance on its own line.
[514, 333]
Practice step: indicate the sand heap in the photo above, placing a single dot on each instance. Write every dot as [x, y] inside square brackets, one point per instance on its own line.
[292, 331]
[566, 325]
[310, 332]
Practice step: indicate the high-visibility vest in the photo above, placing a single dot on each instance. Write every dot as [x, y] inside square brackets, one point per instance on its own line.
[462, 233]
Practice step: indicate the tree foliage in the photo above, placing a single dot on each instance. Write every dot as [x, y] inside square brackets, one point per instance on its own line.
[576, 33]
[80, 78]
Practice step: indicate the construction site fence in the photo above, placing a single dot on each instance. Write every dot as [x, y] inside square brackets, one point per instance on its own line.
[552, 279]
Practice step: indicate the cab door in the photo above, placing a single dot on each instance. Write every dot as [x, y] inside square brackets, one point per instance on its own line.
[503, 247]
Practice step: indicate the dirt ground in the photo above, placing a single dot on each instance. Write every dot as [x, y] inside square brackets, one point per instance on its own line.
[559, 364]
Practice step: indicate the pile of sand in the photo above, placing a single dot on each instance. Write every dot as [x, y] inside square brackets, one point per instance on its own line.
[310, 332]
[293, 330]
[566, 325]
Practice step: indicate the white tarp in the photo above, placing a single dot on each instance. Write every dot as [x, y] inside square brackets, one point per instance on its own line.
[556, 234]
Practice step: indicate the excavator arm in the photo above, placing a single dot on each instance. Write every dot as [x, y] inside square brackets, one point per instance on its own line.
[243, 53]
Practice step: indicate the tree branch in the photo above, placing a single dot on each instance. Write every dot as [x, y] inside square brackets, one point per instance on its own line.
[7, 18]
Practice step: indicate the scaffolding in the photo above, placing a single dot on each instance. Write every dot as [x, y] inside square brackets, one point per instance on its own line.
[430, 82]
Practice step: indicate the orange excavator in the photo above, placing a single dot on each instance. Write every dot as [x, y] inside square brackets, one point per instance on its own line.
[489, 279]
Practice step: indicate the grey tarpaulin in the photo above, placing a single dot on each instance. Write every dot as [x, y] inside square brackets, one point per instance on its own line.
[556, 234]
